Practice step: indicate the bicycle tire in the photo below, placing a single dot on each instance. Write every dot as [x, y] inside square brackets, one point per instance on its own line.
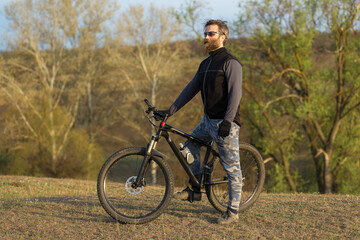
[126, 204]
[253, 172]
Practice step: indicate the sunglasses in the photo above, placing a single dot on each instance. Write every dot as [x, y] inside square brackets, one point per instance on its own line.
[210, 34]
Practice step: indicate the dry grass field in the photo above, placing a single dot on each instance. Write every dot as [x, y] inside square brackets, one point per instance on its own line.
[44, 208]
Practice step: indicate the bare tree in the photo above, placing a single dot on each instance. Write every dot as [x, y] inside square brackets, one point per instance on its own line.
[190, 14]
[54, 39]
[152, 55]
[91, 51]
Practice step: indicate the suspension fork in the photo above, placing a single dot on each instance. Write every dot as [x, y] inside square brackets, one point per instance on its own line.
[146, 162]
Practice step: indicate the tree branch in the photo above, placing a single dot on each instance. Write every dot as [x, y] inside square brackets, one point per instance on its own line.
[24, 118]
[351, 109]
[320, 132]
[280, 98]
[71, 123]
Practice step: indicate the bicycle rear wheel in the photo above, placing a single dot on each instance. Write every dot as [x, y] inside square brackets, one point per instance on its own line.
[125, 203]
[253, 173]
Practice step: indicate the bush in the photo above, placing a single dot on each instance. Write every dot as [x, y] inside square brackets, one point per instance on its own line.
[79, 159]
[5, 158]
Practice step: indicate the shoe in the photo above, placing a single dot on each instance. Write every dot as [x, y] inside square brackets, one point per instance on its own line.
[183, 195]
[228, 217]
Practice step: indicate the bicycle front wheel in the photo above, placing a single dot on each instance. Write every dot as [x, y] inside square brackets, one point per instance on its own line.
[134, 205]
[253, 173]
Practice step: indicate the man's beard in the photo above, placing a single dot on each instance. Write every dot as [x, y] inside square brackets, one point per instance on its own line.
[212, 45]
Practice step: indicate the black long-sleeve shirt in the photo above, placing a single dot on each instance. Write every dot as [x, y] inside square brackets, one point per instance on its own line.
[219, 78]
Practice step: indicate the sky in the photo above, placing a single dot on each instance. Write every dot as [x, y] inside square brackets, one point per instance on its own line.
[220, 9]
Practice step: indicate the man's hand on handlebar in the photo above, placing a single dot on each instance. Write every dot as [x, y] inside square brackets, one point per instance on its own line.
[160, 114]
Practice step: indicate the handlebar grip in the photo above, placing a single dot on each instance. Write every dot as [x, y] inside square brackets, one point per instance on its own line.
[148, 103]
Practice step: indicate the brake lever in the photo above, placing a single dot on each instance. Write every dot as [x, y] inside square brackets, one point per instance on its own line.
[150, 109]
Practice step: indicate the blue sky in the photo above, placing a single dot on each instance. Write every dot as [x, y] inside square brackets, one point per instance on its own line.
[220, 9]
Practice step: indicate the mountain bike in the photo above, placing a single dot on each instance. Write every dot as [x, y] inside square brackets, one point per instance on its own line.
[135, 184]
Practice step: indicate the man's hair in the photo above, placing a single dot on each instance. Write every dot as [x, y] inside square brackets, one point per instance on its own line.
[223, 29]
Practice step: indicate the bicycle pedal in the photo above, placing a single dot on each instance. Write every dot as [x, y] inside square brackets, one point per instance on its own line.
[194, 196]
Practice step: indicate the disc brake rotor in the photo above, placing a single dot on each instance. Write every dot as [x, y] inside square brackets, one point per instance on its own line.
[130, 189]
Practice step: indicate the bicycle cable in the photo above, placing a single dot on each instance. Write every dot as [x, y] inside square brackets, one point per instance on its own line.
[149, 118]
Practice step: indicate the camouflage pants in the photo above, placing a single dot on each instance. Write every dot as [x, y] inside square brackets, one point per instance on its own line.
[228, 148]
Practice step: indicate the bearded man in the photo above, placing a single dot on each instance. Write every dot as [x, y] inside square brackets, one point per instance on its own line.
[219, 78]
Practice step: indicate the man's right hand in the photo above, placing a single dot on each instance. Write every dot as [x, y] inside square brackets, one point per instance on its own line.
[224, 129]
[165, 112]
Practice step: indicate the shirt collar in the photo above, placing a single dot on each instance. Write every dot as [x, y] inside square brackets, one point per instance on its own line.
[219, 50]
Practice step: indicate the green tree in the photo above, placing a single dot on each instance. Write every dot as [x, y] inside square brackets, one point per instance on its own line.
[296, 90]
[346, 163]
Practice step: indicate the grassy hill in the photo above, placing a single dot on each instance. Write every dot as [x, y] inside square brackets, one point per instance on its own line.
[44, 208]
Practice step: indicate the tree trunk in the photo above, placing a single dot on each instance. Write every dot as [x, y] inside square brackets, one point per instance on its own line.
[90, 110]
[90, 130]
[318, 159]
[289, 178]
[327, 174]
[52, 134]
[153, 101]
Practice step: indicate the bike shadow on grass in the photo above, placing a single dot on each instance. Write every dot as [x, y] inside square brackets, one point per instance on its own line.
[66, 207]
[89, 209]
[185, 209]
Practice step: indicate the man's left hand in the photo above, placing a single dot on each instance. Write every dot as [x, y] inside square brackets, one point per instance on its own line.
[224, 129]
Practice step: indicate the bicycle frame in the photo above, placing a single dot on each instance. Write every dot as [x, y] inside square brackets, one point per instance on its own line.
[163, 131]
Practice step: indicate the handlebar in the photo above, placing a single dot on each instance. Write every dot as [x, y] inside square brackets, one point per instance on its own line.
[149, 104]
